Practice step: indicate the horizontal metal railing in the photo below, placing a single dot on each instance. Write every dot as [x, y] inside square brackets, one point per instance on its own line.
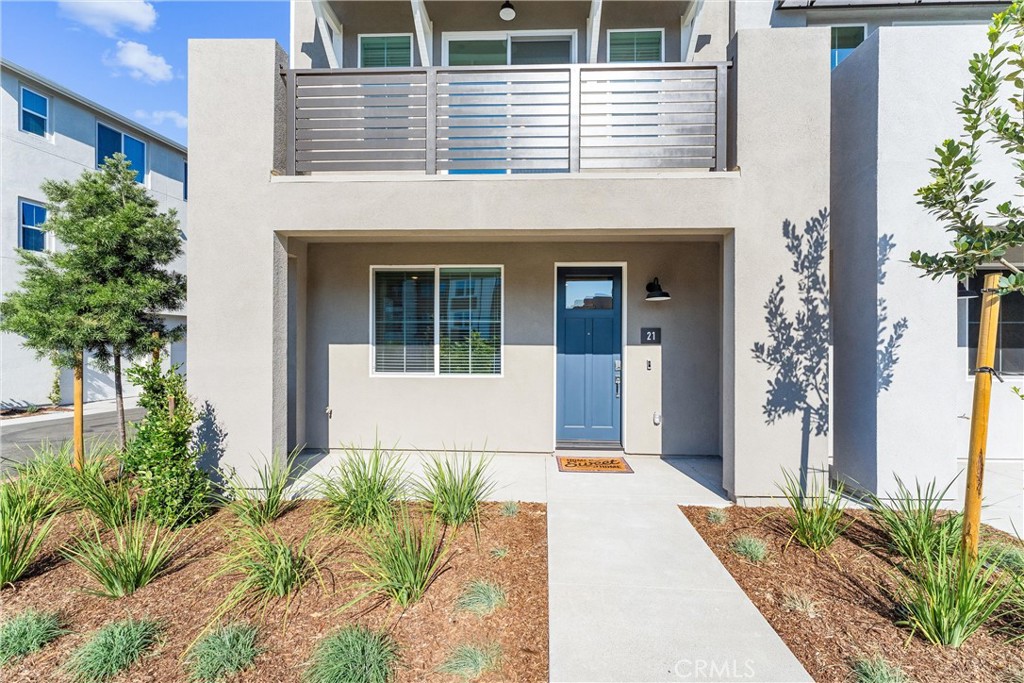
[526, 119]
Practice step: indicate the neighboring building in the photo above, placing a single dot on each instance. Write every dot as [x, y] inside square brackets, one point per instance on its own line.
[50, 132]
[448, 227]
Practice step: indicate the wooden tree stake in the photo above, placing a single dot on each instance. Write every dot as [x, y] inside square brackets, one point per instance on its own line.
[78, 427]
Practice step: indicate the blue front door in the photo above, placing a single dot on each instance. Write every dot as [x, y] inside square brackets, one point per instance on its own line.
[589, 338]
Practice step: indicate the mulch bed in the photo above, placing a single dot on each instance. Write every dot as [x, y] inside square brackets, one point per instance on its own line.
[184, 600]
[855, 616]
[11, 413]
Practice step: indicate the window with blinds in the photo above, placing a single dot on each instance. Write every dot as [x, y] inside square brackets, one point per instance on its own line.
[636, 46]
[443, 321]
[376, 52]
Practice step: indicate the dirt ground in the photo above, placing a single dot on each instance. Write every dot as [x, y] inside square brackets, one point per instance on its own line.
[185, 599]
[854, 614]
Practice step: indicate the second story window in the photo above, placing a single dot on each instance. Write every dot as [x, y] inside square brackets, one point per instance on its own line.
[32, 234]
[382, 51]
[1009, 337]
[647, 45]
[35, 113]
[109, 142]
[845, 40]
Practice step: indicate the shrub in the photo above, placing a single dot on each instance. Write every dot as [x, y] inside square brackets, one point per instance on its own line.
[877, 670]
[1009, 556]
[817, 514]
[509, 508]
[26, 517]
[112, 649]
[750, 548]
[163, 456]
[499, 553]
[225, 651]
[717, 516]
[268, 499]
[472, 661]
[949, 596]
[364, 487]
[137, 553]
[482, 598]
[912, 522]
[28, 632]
[354, 654]
[454, 487]
[404, 557]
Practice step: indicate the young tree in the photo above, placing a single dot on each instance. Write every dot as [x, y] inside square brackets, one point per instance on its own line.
[112, 267]
[992, 112]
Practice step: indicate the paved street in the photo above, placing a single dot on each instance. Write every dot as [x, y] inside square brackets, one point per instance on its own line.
[18, 437]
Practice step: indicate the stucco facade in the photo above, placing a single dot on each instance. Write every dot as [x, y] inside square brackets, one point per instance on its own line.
[67, 149]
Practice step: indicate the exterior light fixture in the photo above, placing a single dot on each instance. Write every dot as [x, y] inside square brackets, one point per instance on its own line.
[655, 292]
[963, 293]
[507, 11]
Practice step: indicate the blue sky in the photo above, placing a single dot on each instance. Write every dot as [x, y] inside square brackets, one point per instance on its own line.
[130, 55]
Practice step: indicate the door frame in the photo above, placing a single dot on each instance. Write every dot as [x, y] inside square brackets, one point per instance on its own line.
[621, 265]
[570, 33]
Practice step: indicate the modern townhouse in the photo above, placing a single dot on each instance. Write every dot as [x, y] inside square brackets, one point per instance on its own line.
[548, 226]
[50, 132]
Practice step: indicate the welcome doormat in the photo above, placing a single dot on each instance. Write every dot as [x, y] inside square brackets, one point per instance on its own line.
[568, 463]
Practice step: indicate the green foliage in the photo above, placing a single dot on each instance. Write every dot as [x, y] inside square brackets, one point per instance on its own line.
[472, 661]
[499, 553]
[913, 522]
[404, 557]
[455, 485]
[162, 456]
[877, 670]
[354, 654]
[948, 596]
[1009, 556]
[225, 651]
[263, 501]
[510, 508]
[361, 491]
[136, 553]
[991, 111]
[112, 649]
[54, 394]
[481, 598]
[817, 515]
[717, 516]
[52, 471]
[750, 548]
[28, 632]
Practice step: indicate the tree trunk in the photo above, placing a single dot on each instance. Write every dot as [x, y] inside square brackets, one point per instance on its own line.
[78, 432]
[119, 400]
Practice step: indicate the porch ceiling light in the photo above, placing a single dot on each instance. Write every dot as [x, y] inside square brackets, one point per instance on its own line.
[655, 292]
[507, 11]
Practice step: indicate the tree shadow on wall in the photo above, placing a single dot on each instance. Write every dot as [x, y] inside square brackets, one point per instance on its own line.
[797, 347]
[210, 438]
[889, 341]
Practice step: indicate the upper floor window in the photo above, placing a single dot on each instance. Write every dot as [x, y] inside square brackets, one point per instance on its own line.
[1010, 334]
[503, 48]
[33, 216]
[109, 142]
[845, 40]
[386, 50]
[35, 112]
[646, 45]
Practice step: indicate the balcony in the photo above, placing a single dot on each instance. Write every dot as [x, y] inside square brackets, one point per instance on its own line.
[575, 118]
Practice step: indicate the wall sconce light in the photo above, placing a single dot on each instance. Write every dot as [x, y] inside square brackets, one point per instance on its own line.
[655, 292]
[963, 293]
[507, 11]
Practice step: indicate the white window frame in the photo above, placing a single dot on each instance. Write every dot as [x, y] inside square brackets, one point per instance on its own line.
[48, 239]
[412, 48]
[608, 44]
[437, 268]
[48, 119]
[145, 172]
[571, 34]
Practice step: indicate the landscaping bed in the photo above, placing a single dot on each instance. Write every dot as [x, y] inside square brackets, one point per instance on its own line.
[837, 606]
[184, 600]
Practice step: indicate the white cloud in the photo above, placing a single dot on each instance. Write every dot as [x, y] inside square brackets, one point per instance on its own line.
[107, 16]
[141, 64]
[156, 118]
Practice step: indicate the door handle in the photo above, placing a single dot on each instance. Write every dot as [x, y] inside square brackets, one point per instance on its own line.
[618, 385]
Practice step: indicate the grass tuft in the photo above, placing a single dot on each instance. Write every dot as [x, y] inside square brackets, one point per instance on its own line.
[1009, 556]
[454, 486]
[817, 514]
[256, 504]
[798, 602]
[877, 670]
[472, 661]
[26, 517]
[28, 632]
[109, 501]
[112, 649]
[225, 651]
[750, 548]
[499, 553]
[510, 508]
[482, 598]
[717, 516]
[354, 654]
[363, 488]
[912, 522]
